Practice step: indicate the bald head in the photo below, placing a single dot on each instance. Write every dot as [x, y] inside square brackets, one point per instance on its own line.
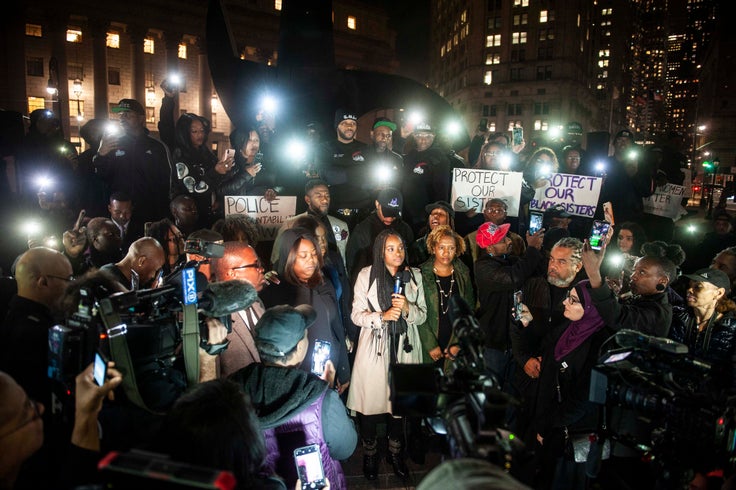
[146, 257]
[42, 275]
[239, 261]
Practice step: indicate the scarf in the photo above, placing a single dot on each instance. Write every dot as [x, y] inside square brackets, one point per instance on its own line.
[578, 331]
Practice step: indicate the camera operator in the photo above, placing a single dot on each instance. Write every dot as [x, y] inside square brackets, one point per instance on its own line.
[142, 265]
[648, 311]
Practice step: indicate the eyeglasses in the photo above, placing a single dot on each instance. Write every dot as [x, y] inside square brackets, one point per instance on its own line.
[257, 264]
[491, 153]
[62, 278]
[495, 210]
[33, 406]
[572, 299]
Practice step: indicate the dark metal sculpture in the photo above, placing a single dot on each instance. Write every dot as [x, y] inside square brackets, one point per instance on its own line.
[306, 80]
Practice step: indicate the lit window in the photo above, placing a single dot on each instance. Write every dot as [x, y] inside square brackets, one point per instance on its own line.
[73, 36]
[521, 3]
[542, 16]
[277, 4]
[149, 45]
[607, 11]
[34, 30]
[492, 127]
[545, 125]
[454, 40]
[113, 40]
[493, 40]
[352, 22]
[488, 77]
[464, 16]
[518, 38]
[36, 103]
[150, 115]
[604, 53]
[493, 59]
[537, 124]
[442, 51]
[183, 51]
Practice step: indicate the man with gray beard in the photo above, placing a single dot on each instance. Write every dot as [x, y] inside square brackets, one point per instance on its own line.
[544, 300]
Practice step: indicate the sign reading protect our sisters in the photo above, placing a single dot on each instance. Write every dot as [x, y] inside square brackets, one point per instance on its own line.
[577, 193]
[666, 201]
[270, 215]
[471, 188]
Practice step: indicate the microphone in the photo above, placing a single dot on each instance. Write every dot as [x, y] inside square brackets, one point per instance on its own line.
[397, 284]
[633, 339]
[401, 278]
[227, 297]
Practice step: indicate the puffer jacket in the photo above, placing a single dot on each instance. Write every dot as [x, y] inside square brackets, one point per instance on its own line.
[716, 344]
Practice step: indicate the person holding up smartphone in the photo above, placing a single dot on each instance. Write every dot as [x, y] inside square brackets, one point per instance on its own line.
[294, 404]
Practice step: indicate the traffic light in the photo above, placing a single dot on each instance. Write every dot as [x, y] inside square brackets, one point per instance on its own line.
[707, 165]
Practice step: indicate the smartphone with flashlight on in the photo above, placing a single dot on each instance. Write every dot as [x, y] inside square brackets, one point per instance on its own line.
[230, 153]
[598, 234]
[99, 371]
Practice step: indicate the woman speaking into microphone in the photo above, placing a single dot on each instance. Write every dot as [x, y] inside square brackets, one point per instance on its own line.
[388, 302]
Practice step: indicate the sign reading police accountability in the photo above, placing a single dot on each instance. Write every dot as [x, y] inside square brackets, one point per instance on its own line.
[270, 215]
[577, 193]
[471, 188]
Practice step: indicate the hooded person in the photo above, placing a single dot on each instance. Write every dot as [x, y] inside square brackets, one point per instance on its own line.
[295, 407]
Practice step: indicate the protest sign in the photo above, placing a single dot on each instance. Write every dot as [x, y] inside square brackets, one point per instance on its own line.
[666, 201]
[270, 215]
[471, 188]
[578, 194]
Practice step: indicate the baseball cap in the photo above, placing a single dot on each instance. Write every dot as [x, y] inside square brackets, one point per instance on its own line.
[490, 234]
[281, 328]
[558, 211]
[129, 105]
[714, 276]
[384, 121]
[440, 204]
[344, 114]
[423, 127]
[391, 202]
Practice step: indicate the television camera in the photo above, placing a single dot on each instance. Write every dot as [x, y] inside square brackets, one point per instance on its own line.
[679, 407]
[153, 335]
[465, 405]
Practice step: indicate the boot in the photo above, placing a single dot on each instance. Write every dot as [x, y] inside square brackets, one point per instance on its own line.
[417, 444]
[370, 459]
[396, 458]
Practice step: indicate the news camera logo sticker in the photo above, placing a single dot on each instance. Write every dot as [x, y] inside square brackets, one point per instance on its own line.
[189, 285]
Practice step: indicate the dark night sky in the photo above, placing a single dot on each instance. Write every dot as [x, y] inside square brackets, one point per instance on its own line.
[410, 20]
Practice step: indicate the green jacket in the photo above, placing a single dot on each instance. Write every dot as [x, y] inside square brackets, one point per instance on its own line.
[428, 331]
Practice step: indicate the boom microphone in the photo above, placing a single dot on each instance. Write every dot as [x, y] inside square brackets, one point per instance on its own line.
[227, 297]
